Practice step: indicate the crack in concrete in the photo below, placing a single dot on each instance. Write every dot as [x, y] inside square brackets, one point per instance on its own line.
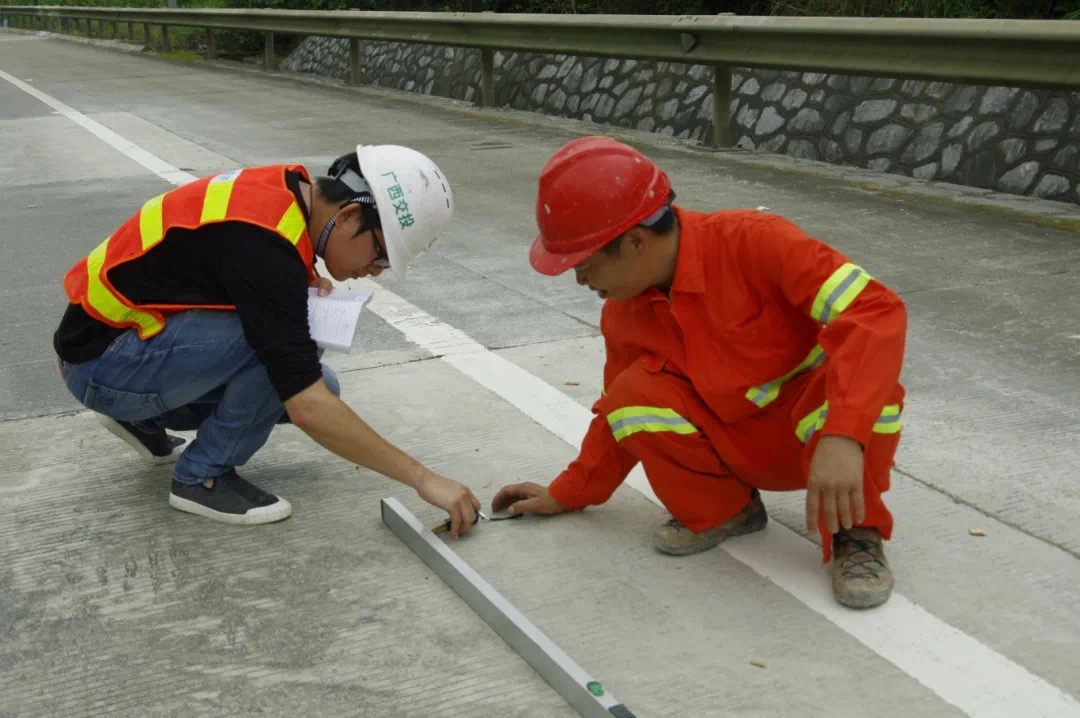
[990, 283]
[963, 502]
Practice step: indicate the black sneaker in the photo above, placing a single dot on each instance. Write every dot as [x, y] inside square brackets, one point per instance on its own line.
[232, 500]
[151, 445]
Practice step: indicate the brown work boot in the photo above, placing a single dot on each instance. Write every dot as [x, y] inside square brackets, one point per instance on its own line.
[675, 539]
[861, 575]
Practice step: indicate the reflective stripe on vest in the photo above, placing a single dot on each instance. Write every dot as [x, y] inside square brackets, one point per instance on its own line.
[632, 419]
[107, 304]
[292, 225]
[838, 291]
[216, 203]
[766, 393]
[150, 226]
[888, 422]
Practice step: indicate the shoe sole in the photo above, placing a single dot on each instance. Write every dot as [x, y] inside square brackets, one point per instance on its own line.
[863, 600]
[755, 523]
[277, 511]
[121, 433]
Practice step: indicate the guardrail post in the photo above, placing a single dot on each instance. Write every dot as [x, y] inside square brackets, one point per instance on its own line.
[165, 38]
[487, 77]
[721, 108]
[355, 64]
[268, 51]
[211, 50]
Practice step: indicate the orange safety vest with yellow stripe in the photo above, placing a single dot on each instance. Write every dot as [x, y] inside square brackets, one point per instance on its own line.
[256, 195]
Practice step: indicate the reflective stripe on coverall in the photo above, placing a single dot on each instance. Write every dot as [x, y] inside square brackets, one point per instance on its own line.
[770, 340]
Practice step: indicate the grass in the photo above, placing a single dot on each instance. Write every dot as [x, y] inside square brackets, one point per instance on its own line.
[182, 55]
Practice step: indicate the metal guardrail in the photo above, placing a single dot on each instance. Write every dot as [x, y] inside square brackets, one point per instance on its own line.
[1013, 53]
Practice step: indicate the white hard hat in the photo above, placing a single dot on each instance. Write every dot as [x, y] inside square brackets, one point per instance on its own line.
[413, 198]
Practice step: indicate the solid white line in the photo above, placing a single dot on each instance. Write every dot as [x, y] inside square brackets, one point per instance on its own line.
[151, 162]
[957, 667]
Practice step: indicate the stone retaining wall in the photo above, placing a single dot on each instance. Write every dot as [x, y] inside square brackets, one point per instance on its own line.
[1017, 141]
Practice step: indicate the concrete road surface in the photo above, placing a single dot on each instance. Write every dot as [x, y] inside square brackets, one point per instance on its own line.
[113, 603]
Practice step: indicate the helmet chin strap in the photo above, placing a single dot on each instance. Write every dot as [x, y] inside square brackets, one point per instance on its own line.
[320, 247]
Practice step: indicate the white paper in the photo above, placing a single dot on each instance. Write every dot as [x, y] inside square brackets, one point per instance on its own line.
[332, 319]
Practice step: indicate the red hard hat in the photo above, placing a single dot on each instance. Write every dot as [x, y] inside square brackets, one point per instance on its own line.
[591, 191]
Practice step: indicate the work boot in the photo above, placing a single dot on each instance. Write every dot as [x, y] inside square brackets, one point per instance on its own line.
[154, 444]
[861, 575]
[675, 539]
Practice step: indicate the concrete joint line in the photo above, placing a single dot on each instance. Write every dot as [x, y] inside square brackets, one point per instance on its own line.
[583, 693]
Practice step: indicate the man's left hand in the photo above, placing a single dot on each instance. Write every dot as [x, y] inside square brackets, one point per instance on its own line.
[835, 484]
[324, 284]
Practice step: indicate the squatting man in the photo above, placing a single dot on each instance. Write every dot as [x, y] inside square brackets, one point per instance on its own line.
[741, 355]
[192, 315]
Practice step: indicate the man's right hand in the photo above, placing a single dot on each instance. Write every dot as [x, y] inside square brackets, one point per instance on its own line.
[454, 498]
[526, 498]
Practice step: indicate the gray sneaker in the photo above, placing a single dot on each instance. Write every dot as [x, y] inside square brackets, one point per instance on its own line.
[231, 500]
[860, 573]
[675, 539]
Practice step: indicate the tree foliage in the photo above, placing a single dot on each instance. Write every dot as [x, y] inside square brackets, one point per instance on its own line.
[1020, 9]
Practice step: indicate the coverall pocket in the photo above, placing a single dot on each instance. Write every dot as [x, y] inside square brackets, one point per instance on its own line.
[122, 405]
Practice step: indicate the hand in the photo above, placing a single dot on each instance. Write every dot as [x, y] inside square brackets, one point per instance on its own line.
[324, 285]
[835, 484]
[526, 498]
[452, 497]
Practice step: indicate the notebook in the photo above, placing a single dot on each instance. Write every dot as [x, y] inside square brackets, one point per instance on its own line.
[332, 319]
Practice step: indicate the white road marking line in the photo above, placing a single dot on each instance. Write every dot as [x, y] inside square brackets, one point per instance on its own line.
[151, 162]
[955, 666]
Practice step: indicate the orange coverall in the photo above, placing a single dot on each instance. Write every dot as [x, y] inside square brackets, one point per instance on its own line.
[770, 340]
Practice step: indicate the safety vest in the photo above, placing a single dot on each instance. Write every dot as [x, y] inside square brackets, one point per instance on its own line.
[256, 195]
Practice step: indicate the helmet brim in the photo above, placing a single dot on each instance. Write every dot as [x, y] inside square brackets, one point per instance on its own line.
[552, 264]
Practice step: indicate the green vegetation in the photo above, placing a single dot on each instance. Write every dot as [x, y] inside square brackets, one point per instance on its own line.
[236, 44]
[1015, 9]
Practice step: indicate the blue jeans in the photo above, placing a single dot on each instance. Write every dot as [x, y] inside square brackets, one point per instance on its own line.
[198, 374]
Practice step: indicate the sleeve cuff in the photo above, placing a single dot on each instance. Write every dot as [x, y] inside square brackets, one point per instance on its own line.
[567, 492]
[853, 424]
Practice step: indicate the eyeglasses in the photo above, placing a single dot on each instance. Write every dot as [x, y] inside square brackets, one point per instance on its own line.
[382, 259]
